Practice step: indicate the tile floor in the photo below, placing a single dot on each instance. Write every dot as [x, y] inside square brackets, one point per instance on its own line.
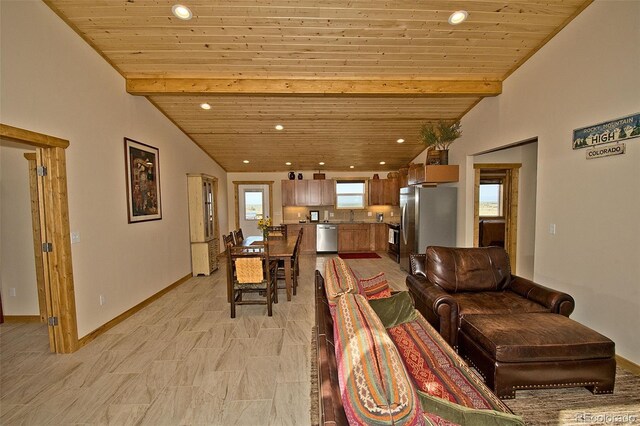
[181, 360]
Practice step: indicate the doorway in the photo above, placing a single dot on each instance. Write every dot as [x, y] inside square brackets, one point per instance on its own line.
[495, 213]
[22, 272]
[54, 234]
[253, 200]
[505, 187]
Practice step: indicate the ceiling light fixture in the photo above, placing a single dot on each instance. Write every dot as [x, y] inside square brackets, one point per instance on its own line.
[205, 106]
[382, 163]
[352, 167]
[245, 161]
[288, 163]
[400, 141]
[279, 127]
[181, 12]
[321, 163]
[458, 17]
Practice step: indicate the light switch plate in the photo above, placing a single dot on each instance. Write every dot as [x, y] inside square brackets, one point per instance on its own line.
[75, 237]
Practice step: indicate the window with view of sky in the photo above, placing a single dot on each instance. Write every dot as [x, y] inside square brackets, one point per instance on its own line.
[253, 205]
[490, 200]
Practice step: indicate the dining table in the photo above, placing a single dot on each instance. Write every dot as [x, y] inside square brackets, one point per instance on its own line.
[281, 247]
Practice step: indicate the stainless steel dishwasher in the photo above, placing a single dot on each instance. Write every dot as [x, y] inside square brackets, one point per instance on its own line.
[326, 238]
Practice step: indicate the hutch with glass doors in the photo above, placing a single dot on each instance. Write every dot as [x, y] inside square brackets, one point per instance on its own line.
[203, 223]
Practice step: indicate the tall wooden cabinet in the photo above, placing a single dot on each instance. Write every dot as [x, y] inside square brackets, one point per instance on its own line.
[203, 223]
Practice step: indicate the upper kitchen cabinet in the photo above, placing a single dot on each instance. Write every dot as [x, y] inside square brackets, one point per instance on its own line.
[384, 192]
[420, 173]
[308, 192]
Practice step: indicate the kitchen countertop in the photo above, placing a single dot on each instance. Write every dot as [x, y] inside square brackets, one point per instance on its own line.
[338, 222]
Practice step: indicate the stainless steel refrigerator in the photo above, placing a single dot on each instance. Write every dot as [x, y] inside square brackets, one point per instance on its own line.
[428, 219]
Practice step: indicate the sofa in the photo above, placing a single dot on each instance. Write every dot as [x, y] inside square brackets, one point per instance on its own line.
[514, 332]
[449, 283]
[380, 362]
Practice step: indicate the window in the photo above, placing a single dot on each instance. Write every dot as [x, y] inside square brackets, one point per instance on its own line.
[253, 204]
[491, 200]
[350, 194]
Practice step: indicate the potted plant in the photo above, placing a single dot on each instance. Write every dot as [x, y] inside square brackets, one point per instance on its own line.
[438, 137]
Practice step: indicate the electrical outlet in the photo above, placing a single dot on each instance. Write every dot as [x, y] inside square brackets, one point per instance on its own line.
[552, 228]
[12, 292]
[391, 214]
[369, 214]
[103, 300]
[75, 237]
[298, 214]
[331, 214]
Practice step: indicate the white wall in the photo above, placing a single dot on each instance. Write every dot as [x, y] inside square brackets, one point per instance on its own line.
[17, 264]
[585, 75]
[54, 83]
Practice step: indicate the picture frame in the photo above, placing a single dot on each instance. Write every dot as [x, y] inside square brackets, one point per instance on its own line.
[314, 216]
[142, 170]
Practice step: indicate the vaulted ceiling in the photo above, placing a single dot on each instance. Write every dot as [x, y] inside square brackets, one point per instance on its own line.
[346, 79]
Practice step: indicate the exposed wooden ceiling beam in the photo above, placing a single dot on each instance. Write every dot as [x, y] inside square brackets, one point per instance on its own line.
[176, 86]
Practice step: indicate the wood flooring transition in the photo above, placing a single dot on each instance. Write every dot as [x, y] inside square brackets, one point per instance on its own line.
[180, 360]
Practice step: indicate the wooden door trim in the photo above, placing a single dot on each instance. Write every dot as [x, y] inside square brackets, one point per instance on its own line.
[511, 206]
[54, 209]
[236, 195]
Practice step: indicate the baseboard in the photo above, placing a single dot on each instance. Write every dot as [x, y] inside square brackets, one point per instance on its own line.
[123, 316]
[628, 365]
[22, 318]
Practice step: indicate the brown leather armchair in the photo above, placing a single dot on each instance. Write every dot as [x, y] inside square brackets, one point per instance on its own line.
[449, 283]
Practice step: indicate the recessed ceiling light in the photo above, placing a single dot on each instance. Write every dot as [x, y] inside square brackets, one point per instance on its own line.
[205, 106]
[321, 163]
[279, 127]
[352, 167]
[458, 17]
[181, 12]
[288, 163]
[382, 163]
[400, 141]
[245, 161]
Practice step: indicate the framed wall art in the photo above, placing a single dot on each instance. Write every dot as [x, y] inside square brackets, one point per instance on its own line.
[143, 181]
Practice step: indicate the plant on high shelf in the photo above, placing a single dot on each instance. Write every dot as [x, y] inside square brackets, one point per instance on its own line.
[437, 137]
[263, 225]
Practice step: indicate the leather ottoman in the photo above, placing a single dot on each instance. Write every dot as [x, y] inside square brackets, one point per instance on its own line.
[537, 350]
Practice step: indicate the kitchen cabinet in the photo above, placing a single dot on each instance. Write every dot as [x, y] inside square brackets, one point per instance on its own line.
[328, 192]
[384, 192]
[288, 192]
[308, 243]
[376, 192]
[304, 193]
[314, 193]
[403, 177]
[203, 223]
[378, 236]
[420, 173]
[354, 237]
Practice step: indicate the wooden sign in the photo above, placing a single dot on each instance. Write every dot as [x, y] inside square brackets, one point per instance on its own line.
[605, 151]
[609, 131]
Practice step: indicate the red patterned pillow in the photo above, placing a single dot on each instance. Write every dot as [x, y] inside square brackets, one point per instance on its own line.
[375, 287]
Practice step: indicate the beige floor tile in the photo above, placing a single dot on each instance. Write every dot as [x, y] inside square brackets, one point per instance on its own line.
[258, 379]
[268, 342]
[290, 405]
[146, 386]
[170, 407]
[246, 413]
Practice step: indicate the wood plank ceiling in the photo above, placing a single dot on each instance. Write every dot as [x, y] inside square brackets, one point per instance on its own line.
[346, 79]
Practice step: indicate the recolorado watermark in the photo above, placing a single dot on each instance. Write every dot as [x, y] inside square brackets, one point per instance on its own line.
[608, 418]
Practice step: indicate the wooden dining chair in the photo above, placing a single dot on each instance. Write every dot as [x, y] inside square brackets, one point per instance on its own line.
[295, 270]
[277, 231]
[238, 238]
[228, 239]
[250, 270]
